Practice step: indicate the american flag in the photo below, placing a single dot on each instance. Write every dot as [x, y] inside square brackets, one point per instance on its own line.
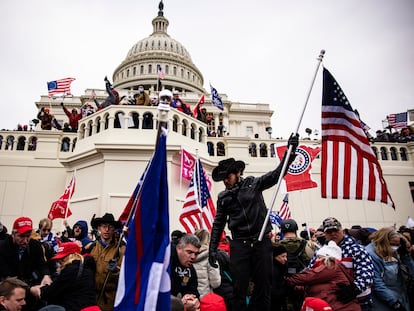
[198, 211]
[397, 120]
[349, 169]
[284, 211]
[59, 86]
[160, 72]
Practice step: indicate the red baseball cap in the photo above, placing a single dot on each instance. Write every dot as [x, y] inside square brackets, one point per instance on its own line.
[66, 249]
[22, 225]
[315, 304]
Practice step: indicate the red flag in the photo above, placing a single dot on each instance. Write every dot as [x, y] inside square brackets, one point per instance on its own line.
[284, 211]
[59, 86]
[298, 176]
[349, 168]
[59, 207]
[187, 167]
[198, 107]
[198, 211]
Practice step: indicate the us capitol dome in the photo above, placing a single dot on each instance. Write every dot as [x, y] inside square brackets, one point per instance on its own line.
[140, 66]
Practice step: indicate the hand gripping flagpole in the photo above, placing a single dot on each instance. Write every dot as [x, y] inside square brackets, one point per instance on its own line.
[284, 167]
[162, 128]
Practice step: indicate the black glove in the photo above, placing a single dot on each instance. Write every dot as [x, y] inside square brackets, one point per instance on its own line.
[61, 104]
[398, 307]
[212, 258]
[112, 265]
[106, 79]
[346, 293]
[293, 141]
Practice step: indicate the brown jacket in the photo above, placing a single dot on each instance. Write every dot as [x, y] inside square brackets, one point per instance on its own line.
[102, 256]
[143, 99]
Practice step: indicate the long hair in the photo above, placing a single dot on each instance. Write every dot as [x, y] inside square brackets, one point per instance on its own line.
[69, 259]
[203, 235]
[381, 240]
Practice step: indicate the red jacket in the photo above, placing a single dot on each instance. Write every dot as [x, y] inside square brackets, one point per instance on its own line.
[322, 282]
[73, 119]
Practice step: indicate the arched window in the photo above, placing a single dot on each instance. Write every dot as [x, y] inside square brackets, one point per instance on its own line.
[192, 129]
[149, 68]
[1, 141]
[167, 69]
[21, 141]
[90, 127]
[175, 124]
[375, 150]
[403, 154]
[393, 152]
[127, 73]
[141, 69]
[384, 155]
[221, 152]
[65, 144]
[32, 143]
[252, 150]
[74, 143]
[9, 143]
[147, 122]
[272, 151]
[184, 128]
[98, 124]
[263, 150]
[210, 148]
[135, 120]
[174, 71]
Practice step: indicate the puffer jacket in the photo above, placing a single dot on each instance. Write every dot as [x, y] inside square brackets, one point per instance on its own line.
[208, 277]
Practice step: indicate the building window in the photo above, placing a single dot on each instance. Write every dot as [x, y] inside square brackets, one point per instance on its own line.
[249, 131]
[167, 69]
[134, 71]
[175, 71]
[253, 150]
[384, 155]
[393, 152]
[141, 70]
[127, 73]
[149, 68]
[182, 73]
[403, 154]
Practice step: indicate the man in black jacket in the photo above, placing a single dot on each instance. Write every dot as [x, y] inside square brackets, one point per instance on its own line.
[184, 280]
[23, 257]
[242, 206]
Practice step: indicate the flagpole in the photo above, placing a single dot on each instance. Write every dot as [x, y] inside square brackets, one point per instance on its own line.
[162, 128]
[197, 179]
[319, 59]
[181, 169]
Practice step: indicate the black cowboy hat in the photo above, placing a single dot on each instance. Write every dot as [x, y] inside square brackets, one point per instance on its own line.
[225, 167]
[105, 219]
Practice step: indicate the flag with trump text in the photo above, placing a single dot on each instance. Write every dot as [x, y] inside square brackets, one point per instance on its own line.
[198, 211]
[60, 208]
[187, 167]
[299, 175]
[216, 98]
[349, 168]
[61, 86]
[144, 280]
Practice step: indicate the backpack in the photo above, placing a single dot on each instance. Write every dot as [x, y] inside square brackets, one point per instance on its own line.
[295, 263]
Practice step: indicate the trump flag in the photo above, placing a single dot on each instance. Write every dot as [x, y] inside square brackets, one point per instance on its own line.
[144, 280]
[298, 176]
[60, 208]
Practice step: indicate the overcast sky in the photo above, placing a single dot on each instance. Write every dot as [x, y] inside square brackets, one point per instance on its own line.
[254, 51]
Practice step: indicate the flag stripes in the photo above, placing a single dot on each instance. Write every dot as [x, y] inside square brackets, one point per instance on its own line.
[284, 211]
[59, 86]
[349, 168]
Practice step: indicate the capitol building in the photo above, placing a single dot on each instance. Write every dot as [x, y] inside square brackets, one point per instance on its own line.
[112, 147]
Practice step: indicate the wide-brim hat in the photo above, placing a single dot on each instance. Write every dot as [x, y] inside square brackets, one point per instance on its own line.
[106, 219]
[225, 167]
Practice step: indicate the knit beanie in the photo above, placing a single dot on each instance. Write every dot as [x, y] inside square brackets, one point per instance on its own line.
[212, 302]
[330, 250]
[315, 304]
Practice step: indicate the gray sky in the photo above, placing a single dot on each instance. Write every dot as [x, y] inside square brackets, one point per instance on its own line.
[253, 51]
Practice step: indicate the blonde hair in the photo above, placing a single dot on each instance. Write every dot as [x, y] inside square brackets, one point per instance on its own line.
[69, 259]
[381, 240]
[203, 235]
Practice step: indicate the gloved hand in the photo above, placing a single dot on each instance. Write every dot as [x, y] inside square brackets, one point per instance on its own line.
[347, 293]
[398, 307]
[61, 104]
[212, 258]
[113, 265]
[106, 79]
[293, 141]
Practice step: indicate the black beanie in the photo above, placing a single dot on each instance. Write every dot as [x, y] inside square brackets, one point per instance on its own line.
[279, 249]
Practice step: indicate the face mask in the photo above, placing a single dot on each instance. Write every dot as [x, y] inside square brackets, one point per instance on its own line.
[140, 89]
[394, 248]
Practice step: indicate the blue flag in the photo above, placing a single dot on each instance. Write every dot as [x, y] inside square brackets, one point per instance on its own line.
[275, 219]
[144, 280]
[216, 99]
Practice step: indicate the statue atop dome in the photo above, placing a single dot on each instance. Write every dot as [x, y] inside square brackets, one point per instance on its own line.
[161, 8]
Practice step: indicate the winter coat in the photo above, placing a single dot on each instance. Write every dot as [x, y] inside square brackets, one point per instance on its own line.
[322, 282]
[389, 287]
[184, 280]
[208, 277]
[102, 255]
[74, 288]
[30, 268]
[143, 99]
[279, 287]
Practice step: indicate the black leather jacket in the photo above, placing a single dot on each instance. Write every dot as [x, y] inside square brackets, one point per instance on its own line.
[243, 207]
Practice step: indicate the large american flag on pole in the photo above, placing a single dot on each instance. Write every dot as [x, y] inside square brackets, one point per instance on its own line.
[59, 86]
[349, 168]
[198, 211]
[397, 120]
